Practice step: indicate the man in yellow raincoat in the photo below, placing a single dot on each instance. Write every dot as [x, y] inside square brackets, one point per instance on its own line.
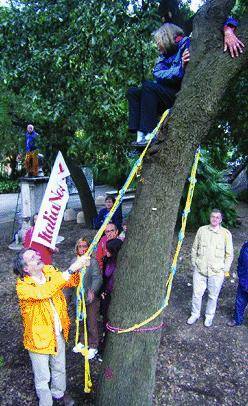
[46, 321]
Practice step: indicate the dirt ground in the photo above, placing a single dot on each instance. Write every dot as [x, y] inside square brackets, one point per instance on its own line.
[196, 365]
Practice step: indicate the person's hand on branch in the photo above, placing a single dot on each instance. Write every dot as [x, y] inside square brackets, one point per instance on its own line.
[232, 43]
[185, 57]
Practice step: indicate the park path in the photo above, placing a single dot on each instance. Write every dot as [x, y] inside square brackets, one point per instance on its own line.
[8, 202]
[8, 207]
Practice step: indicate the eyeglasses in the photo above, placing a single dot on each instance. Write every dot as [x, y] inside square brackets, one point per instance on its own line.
[110, 231]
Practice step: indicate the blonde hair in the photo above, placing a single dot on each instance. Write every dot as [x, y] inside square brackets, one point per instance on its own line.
[165, 36]
[78, 242]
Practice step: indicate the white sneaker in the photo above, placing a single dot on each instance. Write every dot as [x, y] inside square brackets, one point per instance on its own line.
[140, 136]
[78, 347]
[92, 352]
[193, 318]
[208, 321]
[148, 137]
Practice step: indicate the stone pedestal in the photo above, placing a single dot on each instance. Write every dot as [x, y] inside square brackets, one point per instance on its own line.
[32, 192]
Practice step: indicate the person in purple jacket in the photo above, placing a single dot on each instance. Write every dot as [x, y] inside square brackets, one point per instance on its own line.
[109, 268]
[242, 291]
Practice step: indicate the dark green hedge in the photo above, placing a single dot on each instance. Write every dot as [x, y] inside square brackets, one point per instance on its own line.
[9, 186]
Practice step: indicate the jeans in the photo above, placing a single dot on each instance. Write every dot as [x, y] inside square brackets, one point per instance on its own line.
[240, 305]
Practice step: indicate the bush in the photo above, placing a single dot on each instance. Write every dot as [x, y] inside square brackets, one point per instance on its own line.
[211, 191]
[9, 186]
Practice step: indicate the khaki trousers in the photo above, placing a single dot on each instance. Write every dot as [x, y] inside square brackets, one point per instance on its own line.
[42, 375]
[200, 284]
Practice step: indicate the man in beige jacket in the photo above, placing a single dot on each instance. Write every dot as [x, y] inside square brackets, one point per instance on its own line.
[212, 256]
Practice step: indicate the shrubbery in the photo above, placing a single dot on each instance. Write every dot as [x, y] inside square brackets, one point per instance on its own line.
[9, 186]
[211, 191]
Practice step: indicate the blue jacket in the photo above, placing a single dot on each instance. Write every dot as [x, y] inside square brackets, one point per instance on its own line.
[31, 141]
[169, 70]
[116, 219]
[243, 267]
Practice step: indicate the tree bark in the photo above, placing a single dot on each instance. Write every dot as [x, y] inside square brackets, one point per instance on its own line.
[87, 201]
[128, 370]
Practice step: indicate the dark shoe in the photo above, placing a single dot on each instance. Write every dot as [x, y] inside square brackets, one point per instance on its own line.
[232, 323]
[66, 400]
[134, 143]
[140, 144]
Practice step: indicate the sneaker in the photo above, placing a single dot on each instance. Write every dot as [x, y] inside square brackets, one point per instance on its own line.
[134, 144]
[140, 136]
[193, 318]
[208, 321]
[142, 143]
[78, 348]
[148, 137]
[92, 352]
[232, 323]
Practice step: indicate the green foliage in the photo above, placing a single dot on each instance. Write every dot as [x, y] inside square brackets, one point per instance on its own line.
[9, 186]
[66, 67]
[232, 122]
[211, 191]
[69, 65]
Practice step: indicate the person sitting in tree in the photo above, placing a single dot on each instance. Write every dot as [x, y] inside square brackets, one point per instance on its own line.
[153, 97]
[171, 12]
[31, 159]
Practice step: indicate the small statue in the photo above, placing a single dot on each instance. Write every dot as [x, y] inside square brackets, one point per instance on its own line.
[31, 159]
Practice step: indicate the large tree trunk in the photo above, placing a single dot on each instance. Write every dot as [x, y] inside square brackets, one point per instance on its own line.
[128, 371]
[87, 201]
